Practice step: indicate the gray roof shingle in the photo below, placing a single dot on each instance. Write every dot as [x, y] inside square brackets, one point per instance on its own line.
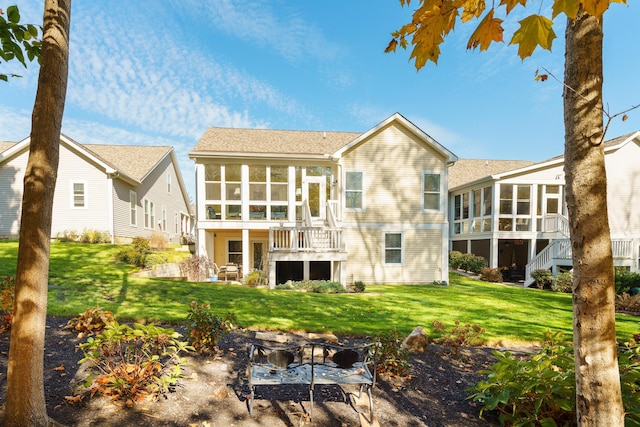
[136, 161]
[469, 170]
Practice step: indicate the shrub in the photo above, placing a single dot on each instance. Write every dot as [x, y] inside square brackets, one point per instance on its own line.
[491, 275]
[627, 302]
[472, 263]
[563, 282]
[205, 328]
[625, 280]
[391, 357]
[317, 286]
[459, 336]
[91, 322]
[254, 278]
[455, 259]
[131, 256]
[543, 278]
[195, 268]
[541, 390]
[68, 236]
[158, 241]
[7, 302]
[140, 244]
[358, 286]
[538, 391]
[129, 363]
[155, 258]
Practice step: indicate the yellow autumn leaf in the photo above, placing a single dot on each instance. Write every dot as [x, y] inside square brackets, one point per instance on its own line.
[534, 31]
[489, 30]
[568, 7]
[472, 9]
[510, 4]
[595, 8]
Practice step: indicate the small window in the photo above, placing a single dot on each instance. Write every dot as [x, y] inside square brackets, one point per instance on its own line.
[431, 193]
[133, 206]
[354, 190]
[164, 219]
[235, 251]
[78, 194]
[393, 248]
[149, 214]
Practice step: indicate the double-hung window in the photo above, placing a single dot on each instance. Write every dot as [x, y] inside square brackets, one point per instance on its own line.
[354, 190]
[393, 248]
[431, 191]
[133, 207]
[149, 213]
[78, 194]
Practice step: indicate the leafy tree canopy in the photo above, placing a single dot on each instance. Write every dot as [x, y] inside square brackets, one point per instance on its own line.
[435, 19]
[17, 39]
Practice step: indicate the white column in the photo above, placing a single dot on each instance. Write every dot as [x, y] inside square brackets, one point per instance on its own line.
[246, 249]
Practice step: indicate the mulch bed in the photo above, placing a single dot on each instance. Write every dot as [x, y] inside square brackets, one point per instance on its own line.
[214, 392]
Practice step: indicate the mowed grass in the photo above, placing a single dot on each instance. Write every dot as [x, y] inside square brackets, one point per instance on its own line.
[85, 276]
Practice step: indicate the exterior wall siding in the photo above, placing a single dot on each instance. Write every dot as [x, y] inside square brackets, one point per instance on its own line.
[422, 256]
[623, 176]
[11, 189]
[96, 216]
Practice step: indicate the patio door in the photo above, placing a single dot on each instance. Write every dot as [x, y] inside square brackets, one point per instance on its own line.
[314, 190]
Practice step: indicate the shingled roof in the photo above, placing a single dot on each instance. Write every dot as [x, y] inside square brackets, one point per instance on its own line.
[469, 170]
[136, 161]
[6, 145]
[269, 141]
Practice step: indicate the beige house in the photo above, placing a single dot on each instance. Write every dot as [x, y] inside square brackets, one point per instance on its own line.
[340, 206]
[514, 213]
[125, 191]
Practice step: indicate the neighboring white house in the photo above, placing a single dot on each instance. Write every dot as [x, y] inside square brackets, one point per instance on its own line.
[126, 191]
[514, 213]
[348, 207]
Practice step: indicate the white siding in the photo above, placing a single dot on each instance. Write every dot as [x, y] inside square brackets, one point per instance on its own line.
[623, 191]
[11, 189]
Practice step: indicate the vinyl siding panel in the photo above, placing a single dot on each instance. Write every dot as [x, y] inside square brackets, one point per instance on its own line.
[95, 215]
[153, 188]
[623, 190]
[393, 161]
[11, 189]
[422, 256]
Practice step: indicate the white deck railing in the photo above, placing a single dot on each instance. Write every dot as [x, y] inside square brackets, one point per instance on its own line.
[305, 239]
[556, 224]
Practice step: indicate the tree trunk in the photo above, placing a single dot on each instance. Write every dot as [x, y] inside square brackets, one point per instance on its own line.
[599, 401]
[25, 404]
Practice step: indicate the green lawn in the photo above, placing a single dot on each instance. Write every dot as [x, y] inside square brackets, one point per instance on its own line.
[84, 276]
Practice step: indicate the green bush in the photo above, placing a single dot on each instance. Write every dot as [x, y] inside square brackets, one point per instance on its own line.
[129, 363]
[94, 236]
[358, 286]
[563, 282]
[455, 259]
[68, 236]
[391, 357]
[535, 391]
[491, 275]
[473, 263]
[131, 256]
[625, 280]
[543, 278]
[155, 258]
[205, 328]
[140, 244]
[317, 286]
[540, 391]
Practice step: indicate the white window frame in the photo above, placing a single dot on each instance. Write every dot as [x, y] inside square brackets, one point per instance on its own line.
[384, 248]
[346, 190]
[133, 208]
[164, 219]
[441, 193]
[149, 214]
[169, 182]
[72, 193]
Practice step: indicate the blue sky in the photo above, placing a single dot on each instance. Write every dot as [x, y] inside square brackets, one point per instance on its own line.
[154, 72]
